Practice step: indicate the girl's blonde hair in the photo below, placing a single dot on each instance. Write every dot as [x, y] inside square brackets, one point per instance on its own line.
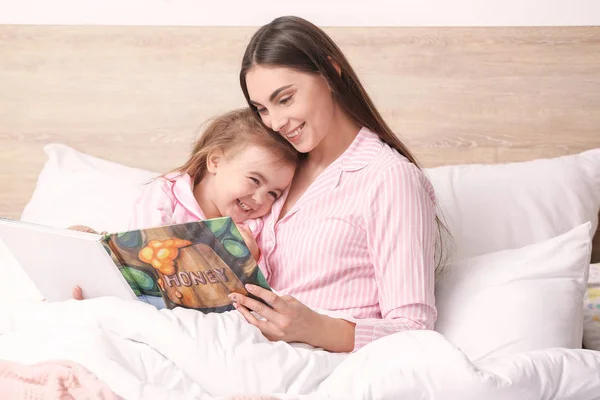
[229, 132]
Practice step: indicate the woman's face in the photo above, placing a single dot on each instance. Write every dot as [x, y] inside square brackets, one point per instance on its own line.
[298, 105]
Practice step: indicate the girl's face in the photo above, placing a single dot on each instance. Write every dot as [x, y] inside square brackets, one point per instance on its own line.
[246, 181]
[298, 105]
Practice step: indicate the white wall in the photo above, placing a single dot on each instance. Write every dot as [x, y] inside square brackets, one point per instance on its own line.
[321, 12]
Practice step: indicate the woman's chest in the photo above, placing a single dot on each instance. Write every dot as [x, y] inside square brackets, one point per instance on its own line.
[301, 184]
[330, 224]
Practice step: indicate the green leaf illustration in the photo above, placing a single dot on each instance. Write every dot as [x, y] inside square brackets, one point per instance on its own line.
[236, 233]
[129, 239]
[262, 281]
[143, 280]
[131, 283]
[218, 226]
[235, 248]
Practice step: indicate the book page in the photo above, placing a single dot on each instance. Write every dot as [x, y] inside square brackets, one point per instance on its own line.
[58, 260]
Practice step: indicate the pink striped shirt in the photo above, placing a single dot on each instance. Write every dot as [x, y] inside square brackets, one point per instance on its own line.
[170, 200]
[360, 240]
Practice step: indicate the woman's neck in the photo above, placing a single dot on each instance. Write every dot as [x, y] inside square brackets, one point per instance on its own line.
[342, 133]
[201, 194]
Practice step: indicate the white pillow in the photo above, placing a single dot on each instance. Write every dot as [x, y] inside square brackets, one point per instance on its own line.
[487, 207]
[591, 310]
[505, 206]
[78, 189]
[517, 300]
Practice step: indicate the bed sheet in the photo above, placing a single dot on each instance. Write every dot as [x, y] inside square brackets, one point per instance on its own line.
[145, 353]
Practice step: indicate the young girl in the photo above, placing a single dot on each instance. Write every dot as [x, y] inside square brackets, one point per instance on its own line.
[357, 230]
[237, 168]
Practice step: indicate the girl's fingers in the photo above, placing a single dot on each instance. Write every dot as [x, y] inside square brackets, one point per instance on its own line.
[77, 293]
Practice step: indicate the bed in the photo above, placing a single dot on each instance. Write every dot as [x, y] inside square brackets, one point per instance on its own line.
[504, 120]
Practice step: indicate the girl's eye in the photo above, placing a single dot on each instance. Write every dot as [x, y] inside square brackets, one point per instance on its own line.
[274, 195]
[261, 111]
[286, 100]
[256, 182]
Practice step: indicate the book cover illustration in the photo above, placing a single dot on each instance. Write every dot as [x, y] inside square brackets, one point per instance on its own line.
[192, 265]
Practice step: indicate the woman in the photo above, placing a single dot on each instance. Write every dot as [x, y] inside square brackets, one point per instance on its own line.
[356, 232]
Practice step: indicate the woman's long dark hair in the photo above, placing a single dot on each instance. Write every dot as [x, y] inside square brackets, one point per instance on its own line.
[295, 43]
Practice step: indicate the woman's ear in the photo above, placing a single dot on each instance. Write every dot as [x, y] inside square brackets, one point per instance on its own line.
[335, 65]
[213, 161]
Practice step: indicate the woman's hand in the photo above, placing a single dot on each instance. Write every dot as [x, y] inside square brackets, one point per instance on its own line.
[291, 321]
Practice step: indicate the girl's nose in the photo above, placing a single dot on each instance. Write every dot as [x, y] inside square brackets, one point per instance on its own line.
[258, 198]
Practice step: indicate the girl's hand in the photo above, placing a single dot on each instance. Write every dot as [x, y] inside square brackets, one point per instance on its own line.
[291, 321]
[77, 293]
[249, 240]
[82, 228]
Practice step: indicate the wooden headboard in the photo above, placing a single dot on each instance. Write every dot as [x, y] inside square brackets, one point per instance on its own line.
[137, 95]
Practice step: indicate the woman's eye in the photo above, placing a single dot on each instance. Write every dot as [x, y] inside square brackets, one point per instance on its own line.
[256, 182]
[274, 195]
[261, 111]
[285, 100]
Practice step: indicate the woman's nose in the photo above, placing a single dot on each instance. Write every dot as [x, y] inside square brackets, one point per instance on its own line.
[278, 122]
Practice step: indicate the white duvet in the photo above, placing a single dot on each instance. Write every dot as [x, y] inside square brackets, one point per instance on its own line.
[143, 353]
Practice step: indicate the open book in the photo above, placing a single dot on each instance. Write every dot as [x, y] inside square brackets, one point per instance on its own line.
[192, 265]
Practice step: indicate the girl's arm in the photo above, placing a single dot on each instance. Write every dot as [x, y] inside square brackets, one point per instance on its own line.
[154, 206]
[250, 241]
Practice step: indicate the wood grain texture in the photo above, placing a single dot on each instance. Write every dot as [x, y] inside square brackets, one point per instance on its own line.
[138, 95]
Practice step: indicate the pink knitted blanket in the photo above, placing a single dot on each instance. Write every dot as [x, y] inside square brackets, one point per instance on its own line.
[56, 380]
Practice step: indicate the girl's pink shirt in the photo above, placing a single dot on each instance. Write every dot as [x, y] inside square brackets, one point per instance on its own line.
[361, 241]
[170, 200]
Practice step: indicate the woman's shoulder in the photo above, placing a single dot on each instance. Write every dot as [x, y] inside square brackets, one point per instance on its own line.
[391, 158]
[379, 163]
[390, 165]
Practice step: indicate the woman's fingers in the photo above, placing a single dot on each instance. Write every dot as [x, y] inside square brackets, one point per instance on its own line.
[271, 298]
[260, 308]
[268, 329]
[247, 314]
[288, 320]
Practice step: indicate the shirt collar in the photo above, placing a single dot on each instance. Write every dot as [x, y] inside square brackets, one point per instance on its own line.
[362, 150]
[183, 190]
